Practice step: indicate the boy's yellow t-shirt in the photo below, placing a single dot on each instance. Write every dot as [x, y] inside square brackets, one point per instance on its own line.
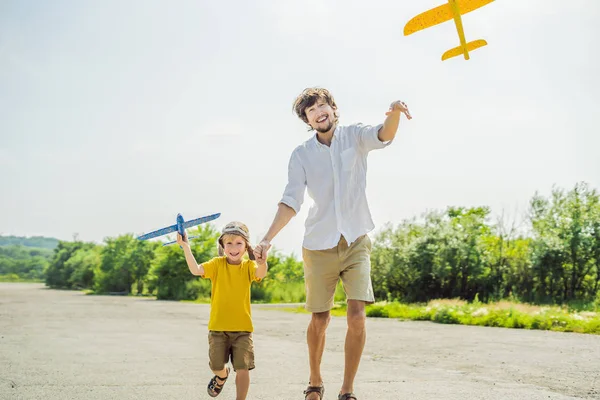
[230, 294]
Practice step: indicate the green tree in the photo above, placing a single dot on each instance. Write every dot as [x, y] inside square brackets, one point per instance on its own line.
[140, 260]
[170, 276]
[59, 271]
[83, 264]
[24, 262]
[115, 274]
[566, 233]
[284, 281]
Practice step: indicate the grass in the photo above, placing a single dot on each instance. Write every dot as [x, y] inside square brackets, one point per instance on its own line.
[503, 314]
[17, 279]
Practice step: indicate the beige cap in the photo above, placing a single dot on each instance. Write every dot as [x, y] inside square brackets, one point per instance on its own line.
[236, 228]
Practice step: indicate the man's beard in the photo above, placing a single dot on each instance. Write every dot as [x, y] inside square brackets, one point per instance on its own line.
[326, 129]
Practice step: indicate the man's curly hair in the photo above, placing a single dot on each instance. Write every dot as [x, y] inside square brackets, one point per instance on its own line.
[308, 98]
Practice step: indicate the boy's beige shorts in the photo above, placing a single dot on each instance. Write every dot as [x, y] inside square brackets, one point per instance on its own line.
[238, 346]
[323, 269]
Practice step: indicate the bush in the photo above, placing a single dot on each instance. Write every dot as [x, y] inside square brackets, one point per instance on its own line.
[501, 314]
[378, 312]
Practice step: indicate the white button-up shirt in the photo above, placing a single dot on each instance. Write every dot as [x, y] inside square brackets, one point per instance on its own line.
[335, 177]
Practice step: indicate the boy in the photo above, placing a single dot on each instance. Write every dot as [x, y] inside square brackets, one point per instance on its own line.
[230, 324]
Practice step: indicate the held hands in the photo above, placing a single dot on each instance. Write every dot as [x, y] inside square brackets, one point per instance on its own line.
[399, 107]
[261, 251]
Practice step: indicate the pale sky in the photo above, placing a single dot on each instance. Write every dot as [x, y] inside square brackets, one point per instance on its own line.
[117, 115]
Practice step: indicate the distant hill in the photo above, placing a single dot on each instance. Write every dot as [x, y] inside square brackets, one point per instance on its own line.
[34, 241]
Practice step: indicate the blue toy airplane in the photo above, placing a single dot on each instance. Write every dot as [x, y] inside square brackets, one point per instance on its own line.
[180, 227]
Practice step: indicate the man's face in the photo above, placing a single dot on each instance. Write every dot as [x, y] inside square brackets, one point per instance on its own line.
[320, 116]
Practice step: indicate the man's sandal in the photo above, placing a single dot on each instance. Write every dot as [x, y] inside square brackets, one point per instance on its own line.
[320, 390]
[214, 388]
[347, 396]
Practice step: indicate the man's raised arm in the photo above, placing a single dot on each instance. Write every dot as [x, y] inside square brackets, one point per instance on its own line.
[390, 125]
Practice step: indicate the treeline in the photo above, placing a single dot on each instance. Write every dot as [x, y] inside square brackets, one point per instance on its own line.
[551, 256]
[25, 259]
[125, 265]
[34, 241]
[18, 262]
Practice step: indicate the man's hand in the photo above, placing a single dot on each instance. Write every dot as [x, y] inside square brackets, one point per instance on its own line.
[261, 251]
[399, 107]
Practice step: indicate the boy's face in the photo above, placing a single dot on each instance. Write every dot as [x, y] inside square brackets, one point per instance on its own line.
[320, 116]
[234, 247]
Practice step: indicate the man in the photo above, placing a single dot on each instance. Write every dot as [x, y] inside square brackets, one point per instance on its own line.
[332, 165]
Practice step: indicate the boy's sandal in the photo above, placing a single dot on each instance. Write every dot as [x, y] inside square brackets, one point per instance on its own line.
[347, 396]
[214, 388]
[315, 389]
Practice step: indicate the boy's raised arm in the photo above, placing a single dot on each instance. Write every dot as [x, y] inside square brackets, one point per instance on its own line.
[195, 268]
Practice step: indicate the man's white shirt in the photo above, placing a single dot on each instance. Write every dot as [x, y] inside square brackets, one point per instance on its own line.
[335, 178]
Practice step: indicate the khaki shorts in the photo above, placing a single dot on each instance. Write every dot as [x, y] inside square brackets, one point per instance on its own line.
[324, 268]
[237, 346]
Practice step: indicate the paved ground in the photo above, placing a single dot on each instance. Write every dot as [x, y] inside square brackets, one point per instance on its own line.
[65, 345]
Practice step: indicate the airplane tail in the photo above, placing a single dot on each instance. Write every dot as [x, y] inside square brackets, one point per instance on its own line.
[457, 51]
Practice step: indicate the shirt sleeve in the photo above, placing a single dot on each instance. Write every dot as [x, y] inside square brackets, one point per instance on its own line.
[367, 137]
[210, 268]
[293, 195]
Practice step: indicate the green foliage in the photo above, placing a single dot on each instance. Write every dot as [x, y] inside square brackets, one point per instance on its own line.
[566, 251]
[115, 274]
[34, 241]
[26, 263]
[284, 282]
[16, 278]
[83, 265]
[61, 268]
[444, 256]
[170, 276]
[459, 253]
[501, 314]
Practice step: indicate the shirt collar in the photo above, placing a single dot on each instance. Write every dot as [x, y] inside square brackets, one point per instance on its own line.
[333, 137]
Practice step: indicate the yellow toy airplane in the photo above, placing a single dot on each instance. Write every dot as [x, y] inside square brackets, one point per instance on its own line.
[454, 9]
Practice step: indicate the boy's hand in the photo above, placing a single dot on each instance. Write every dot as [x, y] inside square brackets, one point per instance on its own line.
[260, 260]
[261, 251]
[399, 107]
[182, 240]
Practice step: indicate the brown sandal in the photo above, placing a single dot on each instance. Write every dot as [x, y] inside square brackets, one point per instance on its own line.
[347, 396]
[214, 388]
[315, 389]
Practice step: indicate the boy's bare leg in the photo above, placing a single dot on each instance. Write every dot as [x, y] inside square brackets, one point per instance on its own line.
[355, 342]
[221, 374]
[242, 383]
[315, 337]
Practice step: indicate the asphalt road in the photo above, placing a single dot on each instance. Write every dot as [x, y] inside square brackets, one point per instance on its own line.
[66, 345]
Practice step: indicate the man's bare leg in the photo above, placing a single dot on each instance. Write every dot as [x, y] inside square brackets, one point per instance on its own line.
[315, 337]
[355, 342]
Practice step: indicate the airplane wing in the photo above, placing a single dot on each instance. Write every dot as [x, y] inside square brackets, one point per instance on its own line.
[202, 220]
[457, 51]
[159, 232]
[175, 241]
[441, 14]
